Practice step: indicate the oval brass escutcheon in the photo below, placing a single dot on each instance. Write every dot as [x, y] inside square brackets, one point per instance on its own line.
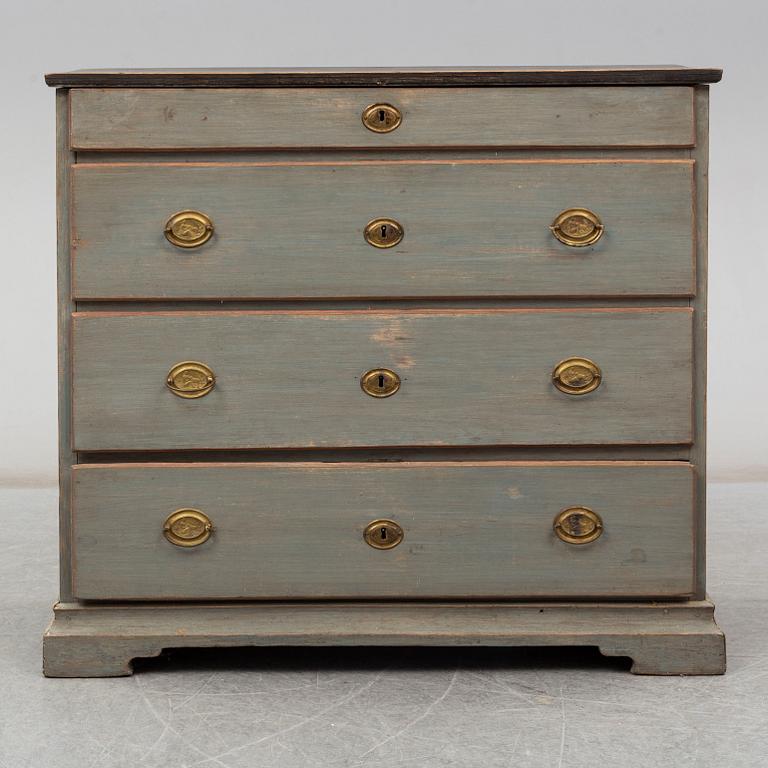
[383, 233]
[578, 525]
[577, 376]
[383, 534]
[187, 528]
[382, 118]
[190, 379]
[380, 382]
[577, 227]
[188, 229]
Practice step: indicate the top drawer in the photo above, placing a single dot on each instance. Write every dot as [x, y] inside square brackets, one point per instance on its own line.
[253, 118]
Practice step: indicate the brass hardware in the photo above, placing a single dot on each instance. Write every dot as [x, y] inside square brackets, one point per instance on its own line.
[383, 534]
[577, 376]
[380, 382]
[382, 118]
[383, 233]
[187, 528]
[578, 525]
[188, 229]
[190, 379]
[577, 227]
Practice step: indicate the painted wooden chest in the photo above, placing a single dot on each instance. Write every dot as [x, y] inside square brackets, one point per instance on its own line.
[379, 357]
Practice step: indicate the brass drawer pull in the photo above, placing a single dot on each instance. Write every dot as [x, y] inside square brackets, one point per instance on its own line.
[188, 229]
[578, 227]
[190, 379]
[383, 233]
[187, 528]
[382, 118]
[577, 376]
[380, 382]
[578, 525]
[383, 534]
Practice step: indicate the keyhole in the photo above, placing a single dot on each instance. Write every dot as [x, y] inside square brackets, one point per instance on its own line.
[383, 534]
[380, 382]
[383, 231]
[382, 115]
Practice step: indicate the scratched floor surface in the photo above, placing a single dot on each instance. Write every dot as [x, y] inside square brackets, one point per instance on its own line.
[469, 708]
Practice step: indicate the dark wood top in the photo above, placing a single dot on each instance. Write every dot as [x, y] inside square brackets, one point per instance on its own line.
[385, 76]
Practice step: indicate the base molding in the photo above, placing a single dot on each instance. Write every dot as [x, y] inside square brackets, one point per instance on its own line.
[101, 640]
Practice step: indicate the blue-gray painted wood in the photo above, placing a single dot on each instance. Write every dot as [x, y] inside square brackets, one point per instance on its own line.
[482, 530]
[248, 118]
[472, 381]
[292, 379]
[667, 638]
[472, 228]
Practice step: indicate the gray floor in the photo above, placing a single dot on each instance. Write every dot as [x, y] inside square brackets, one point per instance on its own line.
[557, 708]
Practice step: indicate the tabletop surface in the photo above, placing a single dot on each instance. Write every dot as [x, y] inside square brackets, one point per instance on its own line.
[383, 76]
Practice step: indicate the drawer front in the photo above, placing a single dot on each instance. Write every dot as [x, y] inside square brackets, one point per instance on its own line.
[297, 530]
[469, 229]
[293, 379]
[252, 118]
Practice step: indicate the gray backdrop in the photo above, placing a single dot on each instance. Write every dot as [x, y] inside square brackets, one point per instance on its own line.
[42, 35]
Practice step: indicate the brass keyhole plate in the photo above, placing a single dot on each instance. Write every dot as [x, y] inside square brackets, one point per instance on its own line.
[577, 227]
[383, 233]
[578, 525]
[190, 379]
[383, 534]
[188, 229]
[380, 382]
[577, 376]
[187, 528]
[382, 118]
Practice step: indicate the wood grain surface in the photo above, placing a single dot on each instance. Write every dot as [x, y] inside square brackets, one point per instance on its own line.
[186, 118]
[65, 161]
[471, 530]
[292, 379]
[670, 638]
[472, 228]
[333, 77]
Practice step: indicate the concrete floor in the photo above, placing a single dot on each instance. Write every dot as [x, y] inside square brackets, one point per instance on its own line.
[469, 708]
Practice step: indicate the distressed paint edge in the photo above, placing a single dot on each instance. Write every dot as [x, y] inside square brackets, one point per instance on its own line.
[386, 313]
[65, 159]
[108, 166]
[699, 305]
[388, 465]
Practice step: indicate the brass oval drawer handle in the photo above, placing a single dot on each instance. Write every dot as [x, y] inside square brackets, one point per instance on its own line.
[578, 525]
[382, 118]
[188, 229]
[577, 376]
[383, 534]
[577, 227]
[383, 233]
[187, 528]
[190, 379]
[380, 382]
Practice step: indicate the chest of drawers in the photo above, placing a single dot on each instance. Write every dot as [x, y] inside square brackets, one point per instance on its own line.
[381, 357]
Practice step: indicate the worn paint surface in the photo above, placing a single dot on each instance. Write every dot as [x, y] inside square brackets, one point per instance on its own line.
[314, 117]
[472, 228]
[296, 530]
[292, 379]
